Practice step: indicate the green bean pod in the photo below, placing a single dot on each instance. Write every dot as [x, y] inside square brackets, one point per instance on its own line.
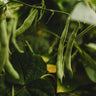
[11, 70]
[9, 31]
[3, 43]
[14, 36]
[67, 56]
[28, 21]
[60, 64]
[9, 28]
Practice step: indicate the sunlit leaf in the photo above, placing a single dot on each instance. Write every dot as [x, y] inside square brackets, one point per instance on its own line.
[91, 46]
[46, 59]
[51, 68]
[67, 85]
[83, 13]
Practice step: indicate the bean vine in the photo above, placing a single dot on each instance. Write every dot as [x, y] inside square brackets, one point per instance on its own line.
[9, 31]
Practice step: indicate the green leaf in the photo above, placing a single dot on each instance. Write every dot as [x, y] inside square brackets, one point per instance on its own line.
[90, 66]
[3, 88]
[29, 66]
[83, 13]
[91, 46]
[23, 92]
[38, 92]
[67, 85]
[1, 3]
[89, 61]
[43, 86]
[39, 87]
[91, 73]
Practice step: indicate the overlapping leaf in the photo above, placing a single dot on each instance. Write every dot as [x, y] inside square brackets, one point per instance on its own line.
[83, 13]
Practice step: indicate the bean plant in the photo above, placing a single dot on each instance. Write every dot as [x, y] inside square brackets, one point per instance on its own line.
[9, 32]
[63, 49]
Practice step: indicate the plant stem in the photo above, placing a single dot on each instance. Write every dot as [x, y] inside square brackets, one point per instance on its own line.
[40, 7]
[85, 31]
[29, 46]
[12, 90]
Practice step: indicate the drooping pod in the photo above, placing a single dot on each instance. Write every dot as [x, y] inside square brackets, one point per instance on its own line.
[67, 55]
[14, 36]
[3, 42]
[10, 69]
[28, 21]
[9, 31]
[60, 64]
[4, 51]
[8, 66]
[9, 28]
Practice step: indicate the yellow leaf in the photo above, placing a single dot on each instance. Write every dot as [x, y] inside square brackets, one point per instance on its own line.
[45, 59]
[51, 68]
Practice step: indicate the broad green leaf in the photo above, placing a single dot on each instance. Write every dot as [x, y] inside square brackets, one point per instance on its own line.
[91, 73]
[38, 92]
[2, 86]
[87, 58]
[91, 46]
[89, 61]
[93, 2]
[23, 92]
[29, 66]
[90, 66]
[1, 3]
[67, 85]
[43, 85]
[83, 13]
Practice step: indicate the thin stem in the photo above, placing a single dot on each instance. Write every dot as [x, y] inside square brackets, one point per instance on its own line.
[29, 46]
[40, 7]
[85, 31]
[52, 33]
[52, 46]
[12, 90]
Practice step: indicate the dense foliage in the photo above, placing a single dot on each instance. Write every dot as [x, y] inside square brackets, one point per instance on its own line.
[37, 34]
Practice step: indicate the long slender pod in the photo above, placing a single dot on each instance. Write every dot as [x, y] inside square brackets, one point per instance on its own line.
[28, 21]
[8, 66]
[67, 56]
[9, 31]
[9, 28]
[14, 36]
[4, 43]
[10, 69]
[60, 65]
[42, 10]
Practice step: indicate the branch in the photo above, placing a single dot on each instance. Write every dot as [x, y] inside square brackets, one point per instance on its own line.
[40, 7]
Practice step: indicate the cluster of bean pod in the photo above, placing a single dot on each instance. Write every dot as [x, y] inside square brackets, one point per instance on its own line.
[64, 58]
[8, 32]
